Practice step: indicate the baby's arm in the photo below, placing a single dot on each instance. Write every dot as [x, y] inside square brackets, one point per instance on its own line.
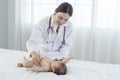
[38, 69]
[65, 60]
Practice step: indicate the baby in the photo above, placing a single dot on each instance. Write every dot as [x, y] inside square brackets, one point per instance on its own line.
[44, 64]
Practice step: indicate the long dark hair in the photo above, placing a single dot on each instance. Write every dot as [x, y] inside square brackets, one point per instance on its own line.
[65, 7]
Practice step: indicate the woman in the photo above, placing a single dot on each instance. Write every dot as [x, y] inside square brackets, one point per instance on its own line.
[52, 36]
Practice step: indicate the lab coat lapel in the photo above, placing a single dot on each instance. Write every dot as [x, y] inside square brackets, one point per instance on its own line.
[59, 36]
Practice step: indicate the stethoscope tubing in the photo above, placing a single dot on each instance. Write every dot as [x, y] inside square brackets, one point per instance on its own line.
[51, 28]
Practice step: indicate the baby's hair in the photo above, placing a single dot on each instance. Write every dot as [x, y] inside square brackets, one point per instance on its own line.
[61, 70]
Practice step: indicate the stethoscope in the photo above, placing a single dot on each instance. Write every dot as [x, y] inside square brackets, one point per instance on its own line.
[51, 28]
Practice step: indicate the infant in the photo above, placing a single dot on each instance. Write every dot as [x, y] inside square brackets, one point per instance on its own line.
[38, 63]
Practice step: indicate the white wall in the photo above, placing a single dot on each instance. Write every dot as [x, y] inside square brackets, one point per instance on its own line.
[3, 23]
[11, 24]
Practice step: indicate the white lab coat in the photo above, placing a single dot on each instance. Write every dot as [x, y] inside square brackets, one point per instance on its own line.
[40, 37]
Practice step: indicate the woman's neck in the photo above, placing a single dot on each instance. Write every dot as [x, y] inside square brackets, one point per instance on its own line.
[57, 30]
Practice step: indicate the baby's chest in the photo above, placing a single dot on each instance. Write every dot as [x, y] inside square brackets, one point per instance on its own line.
[45, 63]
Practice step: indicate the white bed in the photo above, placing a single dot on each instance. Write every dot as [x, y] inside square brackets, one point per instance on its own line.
[77, 69]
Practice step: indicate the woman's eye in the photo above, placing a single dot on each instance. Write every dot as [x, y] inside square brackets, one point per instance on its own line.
[66, 20]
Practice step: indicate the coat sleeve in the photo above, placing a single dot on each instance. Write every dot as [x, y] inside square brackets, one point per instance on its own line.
[66, 49]
[36, 39]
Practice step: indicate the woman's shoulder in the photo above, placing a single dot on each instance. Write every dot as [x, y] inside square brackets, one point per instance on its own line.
[42, 22]
[70, 23]
[44, 19]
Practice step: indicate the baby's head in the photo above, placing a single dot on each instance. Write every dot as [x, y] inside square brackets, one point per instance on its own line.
[58, 68]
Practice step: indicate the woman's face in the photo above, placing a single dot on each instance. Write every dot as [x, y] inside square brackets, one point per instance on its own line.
[61, 18]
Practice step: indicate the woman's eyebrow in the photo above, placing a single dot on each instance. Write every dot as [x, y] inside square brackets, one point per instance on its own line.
[63, 18]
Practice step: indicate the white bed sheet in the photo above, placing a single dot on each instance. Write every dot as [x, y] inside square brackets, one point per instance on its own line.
[77, 69]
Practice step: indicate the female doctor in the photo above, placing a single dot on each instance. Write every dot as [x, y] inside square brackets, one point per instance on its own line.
[52, 36]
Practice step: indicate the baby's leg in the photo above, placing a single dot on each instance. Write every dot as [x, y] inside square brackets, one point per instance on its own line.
[21, 64]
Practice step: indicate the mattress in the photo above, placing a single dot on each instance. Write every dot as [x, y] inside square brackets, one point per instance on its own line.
[77, 69]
